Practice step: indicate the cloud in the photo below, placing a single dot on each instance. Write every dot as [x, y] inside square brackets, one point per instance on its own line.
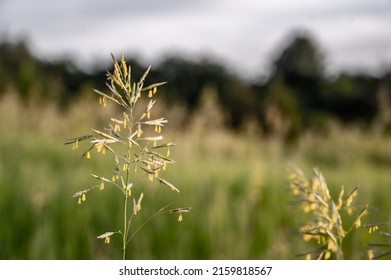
[243, 33]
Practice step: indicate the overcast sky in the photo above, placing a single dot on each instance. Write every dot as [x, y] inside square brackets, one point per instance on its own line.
[245, 34]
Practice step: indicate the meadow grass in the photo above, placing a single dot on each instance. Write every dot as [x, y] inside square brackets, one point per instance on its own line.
[235, 183]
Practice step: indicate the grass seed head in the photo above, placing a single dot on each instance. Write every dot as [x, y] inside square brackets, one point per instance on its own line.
[134, 132]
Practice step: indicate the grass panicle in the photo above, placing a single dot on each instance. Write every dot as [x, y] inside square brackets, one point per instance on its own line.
[131, 143]
[326, 228]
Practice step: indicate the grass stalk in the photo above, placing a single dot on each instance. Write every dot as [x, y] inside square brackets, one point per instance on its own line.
[128, 133]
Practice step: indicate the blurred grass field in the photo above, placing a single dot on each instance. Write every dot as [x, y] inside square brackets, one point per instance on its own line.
[235, 183]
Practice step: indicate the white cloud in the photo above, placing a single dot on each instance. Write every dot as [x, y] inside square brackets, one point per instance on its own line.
[245, 33]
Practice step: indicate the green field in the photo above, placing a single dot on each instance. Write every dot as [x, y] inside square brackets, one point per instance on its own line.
[235, 183]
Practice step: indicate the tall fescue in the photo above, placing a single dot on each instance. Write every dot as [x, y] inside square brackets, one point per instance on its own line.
[133, 146]
[327, 227]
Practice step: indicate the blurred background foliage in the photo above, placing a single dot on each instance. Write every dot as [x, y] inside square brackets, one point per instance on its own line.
[297, 87]
[236, 138]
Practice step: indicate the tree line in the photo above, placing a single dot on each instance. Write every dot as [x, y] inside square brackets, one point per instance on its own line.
[296, 96]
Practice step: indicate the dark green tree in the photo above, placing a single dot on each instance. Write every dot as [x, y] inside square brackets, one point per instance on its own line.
[187, 79]
[352, 98]
[300, 67]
